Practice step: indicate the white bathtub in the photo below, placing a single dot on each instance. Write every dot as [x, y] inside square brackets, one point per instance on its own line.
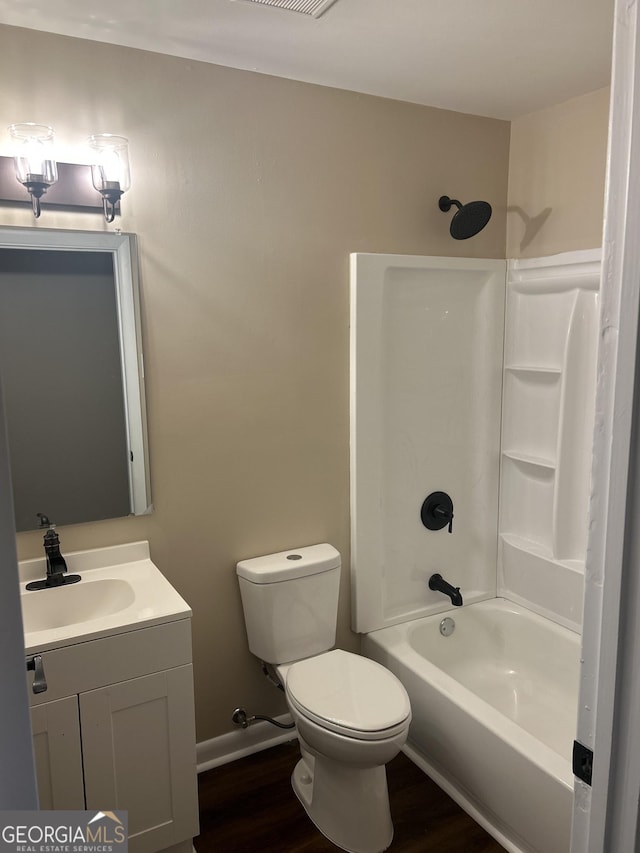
[494, 715]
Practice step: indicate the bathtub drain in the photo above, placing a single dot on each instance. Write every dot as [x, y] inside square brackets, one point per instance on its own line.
[447, 626]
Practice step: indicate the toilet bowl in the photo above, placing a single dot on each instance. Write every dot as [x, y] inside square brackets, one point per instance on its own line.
[352, 697]
[351, 714]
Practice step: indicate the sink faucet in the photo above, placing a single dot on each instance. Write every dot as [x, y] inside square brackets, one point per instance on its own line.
[438, 583]
[56, 565]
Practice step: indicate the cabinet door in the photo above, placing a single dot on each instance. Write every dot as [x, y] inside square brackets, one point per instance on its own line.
[138, 741]
[56, 745]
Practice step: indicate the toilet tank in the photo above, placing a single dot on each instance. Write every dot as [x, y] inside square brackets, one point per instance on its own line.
[290, 602]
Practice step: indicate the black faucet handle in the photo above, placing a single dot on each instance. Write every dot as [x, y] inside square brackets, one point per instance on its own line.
[436, 511]
[44, 520]
[445, 513]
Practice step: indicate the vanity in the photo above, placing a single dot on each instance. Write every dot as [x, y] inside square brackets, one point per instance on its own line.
[111, 684]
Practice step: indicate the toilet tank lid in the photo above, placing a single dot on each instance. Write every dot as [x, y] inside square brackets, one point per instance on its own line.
[291, 564]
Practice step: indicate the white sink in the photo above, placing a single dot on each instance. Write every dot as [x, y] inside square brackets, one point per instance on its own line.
[70, 605]
[121, 590]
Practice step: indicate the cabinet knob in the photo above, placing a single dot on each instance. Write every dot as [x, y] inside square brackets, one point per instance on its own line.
[35, 665]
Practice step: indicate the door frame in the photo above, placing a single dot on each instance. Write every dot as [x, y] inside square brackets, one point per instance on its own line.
[606, 813]
[17, 769]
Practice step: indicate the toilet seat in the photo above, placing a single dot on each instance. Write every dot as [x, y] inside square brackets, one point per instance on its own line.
[348, 694]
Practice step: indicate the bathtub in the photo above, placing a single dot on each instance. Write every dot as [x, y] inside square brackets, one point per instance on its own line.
[494, 715]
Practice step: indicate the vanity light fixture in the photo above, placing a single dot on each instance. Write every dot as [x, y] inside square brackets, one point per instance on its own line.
[34, 165]
[110, 171]
[34, 160]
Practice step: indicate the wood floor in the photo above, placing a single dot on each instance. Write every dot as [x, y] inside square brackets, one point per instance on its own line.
[249, 807]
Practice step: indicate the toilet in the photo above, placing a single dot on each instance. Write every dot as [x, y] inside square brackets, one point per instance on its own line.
[352, 715]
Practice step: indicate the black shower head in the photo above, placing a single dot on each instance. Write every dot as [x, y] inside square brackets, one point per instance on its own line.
[469, 219]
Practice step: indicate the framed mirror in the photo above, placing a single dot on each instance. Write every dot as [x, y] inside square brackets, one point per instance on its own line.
[73, 377]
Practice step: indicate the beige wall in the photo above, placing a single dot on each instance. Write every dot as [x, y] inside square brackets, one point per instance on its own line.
[556, 177]
[248, 194]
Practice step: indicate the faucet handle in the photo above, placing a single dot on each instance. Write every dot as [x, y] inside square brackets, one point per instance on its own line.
[44, 520]
[437, 511]
[443, 512]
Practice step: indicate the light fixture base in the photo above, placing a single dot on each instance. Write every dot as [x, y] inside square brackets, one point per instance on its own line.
[36, 190]
[111, 195]
[72, 189]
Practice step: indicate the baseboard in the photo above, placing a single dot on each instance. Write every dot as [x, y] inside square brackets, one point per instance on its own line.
[233, 745]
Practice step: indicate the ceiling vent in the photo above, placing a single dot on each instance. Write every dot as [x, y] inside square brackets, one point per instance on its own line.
[315, 8]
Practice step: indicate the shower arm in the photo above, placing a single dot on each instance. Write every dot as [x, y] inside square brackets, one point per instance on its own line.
[444, 203]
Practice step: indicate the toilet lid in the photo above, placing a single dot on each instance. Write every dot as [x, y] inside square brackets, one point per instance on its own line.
[347, 691]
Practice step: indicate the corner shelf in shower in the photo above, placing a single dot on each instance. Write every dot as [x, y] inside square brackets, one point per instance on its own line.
[531, 405]
[530, 575]
[535, 549]
[549, 374]
[529, 368]
[530, 459]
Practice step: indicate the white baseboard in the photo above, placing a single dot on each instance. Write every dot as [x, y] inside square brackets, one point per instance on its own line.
[233, 745]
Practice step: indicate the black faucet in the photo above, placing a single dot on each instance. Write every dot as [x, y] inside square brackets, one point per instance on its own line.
[56, 565]
[438, 583]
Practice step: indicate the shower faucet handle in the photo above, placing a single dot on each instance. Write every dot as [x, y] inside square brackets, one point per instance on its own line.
[443, 512]
[437, 511]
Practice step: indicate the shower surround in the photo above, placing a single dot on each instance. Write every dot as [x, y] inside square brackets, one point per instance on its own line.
[551, 340]
[452, 393]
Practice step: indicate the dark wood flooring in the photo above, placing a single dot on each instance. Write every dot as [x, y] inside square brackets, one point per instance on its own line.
[248, 806]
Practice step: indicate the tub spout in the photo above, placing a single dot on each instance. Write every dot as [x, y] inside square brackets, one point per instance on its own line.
[438, 583]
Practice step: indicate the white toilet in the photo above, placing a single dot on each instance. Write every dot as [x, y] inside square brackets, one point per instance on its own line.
[352, 715]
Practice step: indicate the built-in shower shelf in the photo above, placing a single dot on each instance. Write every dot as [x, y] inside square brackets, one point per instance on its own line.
[527, 545]
[530, 459]
[551, 334]
[540, 551]
[528, 368]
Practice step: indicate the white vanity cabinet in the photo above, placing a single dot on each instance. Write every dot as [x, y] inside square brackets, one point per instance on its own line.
[55, 727]
[115, 730]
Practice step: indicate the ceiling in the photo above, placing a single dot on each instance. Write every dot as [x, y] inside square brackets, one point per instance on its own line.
[499, 58]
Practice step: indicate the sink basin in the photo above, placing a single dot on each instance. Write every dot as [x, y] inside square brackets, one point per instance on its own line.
[121, 590]
[45, 609]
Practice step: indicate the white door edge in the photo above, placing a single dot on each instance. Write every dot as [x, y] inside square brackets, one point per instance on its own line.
[17, 769]
[605, 815]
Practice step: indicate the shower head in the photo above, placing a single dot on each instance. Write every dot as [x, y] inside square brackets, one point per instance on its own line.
[469, 219]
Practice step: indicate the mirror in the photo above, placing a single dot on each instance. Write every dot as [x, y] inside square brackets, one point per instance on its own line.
[72, 373]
